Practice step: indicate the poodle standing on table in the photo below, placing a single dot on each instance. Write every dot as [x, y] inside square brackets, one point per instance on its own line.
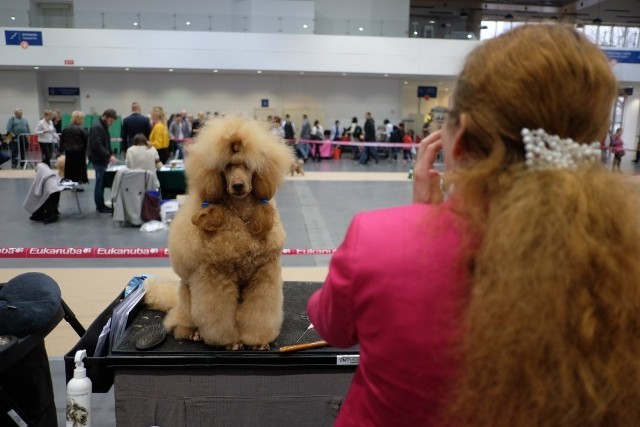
[226, 240]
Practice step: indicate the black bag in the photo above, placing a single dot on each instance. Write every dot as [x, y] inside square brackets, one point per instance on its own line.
[151, 206]
[357, 132]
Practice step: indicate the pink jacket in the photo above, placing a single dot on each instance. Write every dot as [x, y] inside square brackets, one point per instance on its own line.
[396, 287]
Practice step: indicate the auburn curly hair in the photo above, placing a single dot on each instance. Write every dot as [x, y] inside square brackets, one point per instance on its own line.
[552, 322]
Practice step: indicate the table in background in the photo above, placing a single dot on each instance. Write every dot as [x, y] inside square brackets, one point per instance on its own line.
[172, 182]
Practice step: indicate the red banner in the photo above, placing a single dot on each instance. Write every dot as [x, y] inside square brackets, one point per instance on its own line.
[119, 252]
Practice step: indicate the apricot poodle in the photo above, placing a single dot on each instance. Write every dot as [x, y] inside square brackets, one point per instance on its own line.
[226, 240]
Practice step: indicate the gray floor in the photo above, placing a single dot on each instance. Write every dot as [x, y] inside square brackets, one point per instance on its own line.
[315, 214]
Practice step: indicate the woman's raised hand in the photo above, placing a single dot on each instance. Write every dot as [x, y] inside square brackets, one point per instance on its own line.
[426, 180]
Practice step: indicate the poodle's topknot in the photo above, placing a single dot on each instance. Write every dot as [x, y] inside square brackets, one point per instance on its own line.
[261, 150]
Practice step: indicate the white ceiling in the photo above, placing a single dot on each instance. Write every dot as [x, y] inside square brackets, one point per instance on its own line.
[622, 12]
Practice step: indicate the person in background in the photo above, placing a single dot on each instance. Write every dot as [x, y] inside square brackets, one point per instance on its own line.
[317, 134]
[141, 155]
[617, 148]
[132, 125]
[369, 136]
[355, 135]
[18, 127]
[198, 123]
[276, 126]
[336, 131]
[407, 140]
[513, 297]
[304, 147]
[47, 136]
[56, 118]
[73, 144]
[178, 131]
[100, 155]
[289, 130]
[159, 137]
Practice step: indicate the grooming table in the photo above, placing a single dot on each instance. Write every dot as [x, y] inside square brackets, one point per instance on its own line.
[186, 383]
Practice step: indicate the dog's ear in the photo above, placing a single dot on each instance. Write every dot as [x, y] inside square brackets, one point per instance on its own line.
[264, 187]
[262, 220]
[208, 219]
[210, 186]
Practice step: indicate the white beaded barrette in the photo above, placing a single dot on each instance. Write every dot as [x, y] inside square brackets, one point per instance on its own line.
[544, 151]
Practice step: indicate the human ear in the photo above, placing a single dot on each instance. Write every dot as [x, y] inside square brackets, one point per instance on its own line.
[458, 137]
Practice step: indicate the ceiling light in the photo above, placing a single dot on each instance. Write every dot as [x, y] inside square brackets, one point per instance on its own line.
[405, 82]
[259, 72]
[81, 68]
[170, 70]
[126, 69]
[188, 23]
[432, 22]
[415, 33]
[597, 21]
[135, 24]
[301, 72]
[344, 74]
[305, 26]
[215, 71]
[36, 68]
[360, 28]
[13, 18]
[386, 75]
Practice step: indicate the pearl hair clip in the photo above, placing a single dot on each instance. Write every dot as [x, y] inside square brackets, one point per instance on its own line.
[544, 151]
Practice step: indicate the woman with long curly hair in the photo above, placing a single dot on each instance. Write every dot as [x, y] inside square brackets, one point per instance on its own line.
[515, 301]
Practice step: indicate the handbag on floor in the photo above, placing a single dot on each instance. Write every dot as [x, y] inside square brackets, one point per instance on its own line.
[151, 206]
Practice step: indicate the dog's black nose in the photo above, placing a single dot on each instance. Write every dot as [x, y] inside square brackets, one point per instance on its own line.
[238, 188]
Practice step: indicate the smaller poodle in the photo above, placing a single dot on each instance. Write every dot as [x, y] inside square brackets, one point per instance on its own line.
[297, 167]
[226, 240]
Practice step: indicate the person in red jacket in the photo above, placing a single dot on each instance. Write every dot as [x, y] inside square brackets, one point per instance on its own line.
[511, 298]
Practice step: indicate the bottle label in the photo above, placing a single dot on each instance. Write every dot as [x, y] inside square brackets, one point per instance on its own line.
[78, 410]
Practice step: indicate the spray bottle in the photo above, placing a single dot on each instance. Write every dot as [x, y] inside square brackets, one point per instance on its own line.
[79, 395]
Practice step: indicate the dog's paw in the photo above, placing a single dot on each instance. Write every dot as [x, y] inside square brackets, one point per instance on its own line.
[234, 346]
[209, 219]
[260, 347]
[181, 332]
[195, 336]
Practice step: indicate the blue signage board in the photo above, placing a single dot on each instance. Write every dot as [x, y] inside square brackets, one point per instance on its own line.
[430, 91]
[264, 103]
[624, 56]
[15, 38]
[64, 91]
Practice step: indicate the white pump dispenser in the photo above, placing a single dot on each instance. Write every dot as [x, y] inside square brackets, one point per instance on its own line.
[79, 395]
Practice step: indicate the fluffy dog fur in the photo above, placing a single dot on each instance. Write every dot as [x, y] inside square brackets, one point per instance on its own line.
[226, 239]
